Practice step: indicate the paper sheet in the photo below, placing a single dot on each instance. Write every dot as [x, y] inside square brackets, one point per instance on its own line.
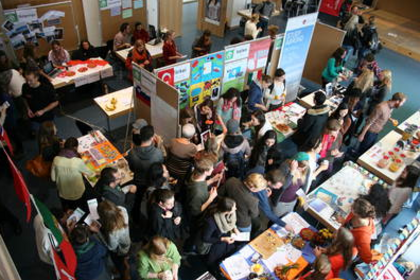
[76, 216]
[291, 253]
[26, 15]
[278, 258]
[295, 221]
[93, 77]
[246, 251]
[126, 4]
[138, 4]
[242, 236]
[81, 80]
[115, 11]
[128, 13]
[93, 208]
[107, 72]
[237, 267]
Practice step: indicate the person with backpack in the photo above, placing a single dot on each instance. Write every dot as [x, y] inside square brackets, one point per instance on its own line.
[370, 38]
[235, 148]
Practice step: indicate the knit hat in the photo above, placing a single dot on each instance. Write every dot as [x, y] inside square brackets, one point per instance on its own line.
[301, 156]
[232, 126]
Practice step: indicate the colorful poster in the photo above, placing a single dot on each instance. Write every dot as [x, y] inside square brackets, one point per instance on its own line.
[295, 49]
[184, 93]
[181, 72]
[201, 90]
[234, 70]
[237, 83]
[167, 75]
[196, 95]
[207, 68]
[238, 52]
[258, 54]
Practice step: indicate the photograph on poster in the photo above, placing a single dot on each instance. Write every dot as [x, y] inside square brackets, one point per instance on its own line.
[59, 33]
[35, 26]
[213, 11]
[8, 25]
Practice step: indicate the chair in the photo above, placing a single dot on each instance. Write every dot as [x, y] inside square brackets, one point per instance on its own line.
[152, 32]
[84, 128]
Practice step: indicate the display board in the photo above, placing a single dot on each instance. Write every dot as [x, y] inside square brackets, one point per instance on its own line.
[41, 24]
[211, 15]
[116, 12]
[275, 55]
[236, 63]
[143, 88]
[325, 41]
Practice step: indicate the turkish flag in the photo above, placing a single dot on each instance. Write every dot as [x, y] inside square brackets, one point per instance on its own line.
[20, 186]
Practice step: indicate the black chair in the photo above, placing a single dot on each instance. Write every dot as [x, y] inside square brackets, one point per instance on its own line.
[152, 32]
[84, 128]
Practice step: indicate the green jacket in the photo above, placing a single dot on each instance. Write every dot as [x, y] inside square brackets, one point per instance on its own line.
[331, 71]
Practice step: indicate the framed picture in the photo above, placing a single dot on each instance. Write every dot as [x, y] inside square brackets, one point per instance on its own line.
[213, 11]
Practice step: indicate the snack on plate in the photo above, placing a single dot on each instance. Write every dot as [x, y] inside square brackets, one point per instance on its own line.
[257, 268]
[282, 127]
[91, 65]
[70, 73]
[307, 234]
[82, 69]
[326, 234]
[298, 243]
[281, 271]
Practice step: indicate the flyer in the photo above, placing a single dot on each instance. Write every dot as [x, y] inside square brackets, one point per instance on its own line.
[238, 52]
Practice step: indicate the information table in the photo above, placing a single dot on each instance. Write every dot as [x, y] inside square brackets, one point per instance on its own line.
[97, 153]
[285, 119]
[387, 147]
[82, 73]
[271, 244]
[413, 120]
[155, 51]
[333, 101]
[123, 105]
[336, 195]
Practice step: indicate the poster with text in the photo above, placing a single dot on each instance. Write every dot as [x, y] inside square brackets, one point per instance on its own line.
[235, 69]
[139, 91]
[258, 54]
[294, 51]
[196, 93]
[207, 68]
[181, 72]
[213, 11]
[240, 51]
[237, 83]
[184, 89]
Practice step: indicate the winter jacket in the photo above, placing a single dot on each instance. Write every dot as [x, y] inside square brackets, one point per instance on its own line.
[140, 159]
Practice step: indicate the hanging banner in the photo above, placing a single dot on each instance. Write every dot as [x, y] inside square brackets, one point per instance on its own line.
[258, 54]
[295, 49]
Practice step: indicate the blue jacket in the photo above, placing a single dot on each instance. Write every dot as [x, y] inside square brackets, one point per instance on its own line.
[91, 260]
[264, 205]
[255, 96]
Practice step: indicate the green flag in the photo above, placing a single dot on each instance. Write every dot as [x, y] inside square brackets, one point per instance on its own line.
[49, 220]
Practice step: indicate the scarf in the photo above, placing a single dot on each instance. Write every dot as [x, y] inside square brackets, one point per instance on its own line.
[225, 222]
[59, 56]
[67, 153]
[235, 110]
[327, 142]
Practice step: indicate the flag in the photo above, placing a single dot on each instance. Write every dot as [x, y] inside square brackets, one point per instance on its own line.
[4, 137]
[20, 186]
[66, 266]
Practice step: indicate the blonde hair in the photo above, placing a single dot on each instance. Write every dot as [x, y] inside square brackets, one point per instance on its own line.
[157, 247]
[351, 24]
[111, 217]
[387, 78]
[255, 17]
[300, 175]
[255, 182]
[365, 81]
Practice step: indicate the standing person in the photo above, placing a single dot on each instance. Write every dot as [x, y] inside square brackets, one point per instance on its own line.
[49, 144]
[251, 28]
[370, 38]
[205, 115]
[313, 122]
[170, 51]
[369, 62]
[255, 95]
[116, 234]
[331, 141]
[140, 33]
[40, 99]
[86, 51]
[380, 90]
[202, 45]
[352, 40]
[265, 9]
[58, 55]
[262, 153]
[259, 123]
[67, 171]
[334, 67]
[122, 38]
[159, 260]
[228, 107]
[275, 97]
[139, 55]
[355, 111]
[165, 215]
[246, 202]
[377, 120]
[340, 252]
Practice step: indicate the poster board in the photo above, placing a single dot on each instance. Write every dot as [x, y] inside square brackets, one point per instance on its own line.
[325, 41]
[275, 55]
[70, 39]
[236, 63]
[110, 23]
[214, 21]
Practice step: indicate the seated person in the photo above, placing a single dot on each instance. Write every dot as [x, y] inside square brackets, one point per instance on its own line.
[58, 55]
[122, 38]
[139, 55]
[140, 33]
[86, 51]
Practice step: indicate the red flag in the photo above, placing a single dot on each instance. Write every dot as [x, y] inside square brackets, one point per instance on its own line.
[20, 186]
[4, 137]
[63, 272]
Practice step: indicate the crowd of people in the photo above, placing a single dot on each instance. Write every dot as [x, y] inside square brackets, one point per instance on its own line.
[189, 199]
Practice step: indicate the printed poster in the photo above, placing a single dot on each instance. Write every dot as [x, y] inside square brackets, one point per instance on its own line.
[207, 68]
[239, 52]
[278, 42]
[237, 83]
[26, 15]
[137, 86]
[213, 11]
[258, 54]
[234, 70]
[148, 81]
[184, 93]
[11, 16]
[181, 72]
[197, 92]
[167, 75]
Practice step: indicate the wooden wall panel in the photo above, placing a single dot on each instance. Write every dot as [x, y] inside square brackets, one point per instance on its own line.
[325, 41]
[218, 30]
[406, 8]
[170, 15]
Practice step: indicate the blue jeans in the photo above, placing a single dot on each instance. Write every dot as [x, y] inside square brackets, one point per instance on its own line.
[367, 143]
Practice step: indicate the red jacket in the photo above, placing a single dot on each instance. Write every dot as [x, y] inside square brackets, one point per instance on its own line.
[362, 238]
[141, 34]
[168, 51]
[139, 58]
[337, 264]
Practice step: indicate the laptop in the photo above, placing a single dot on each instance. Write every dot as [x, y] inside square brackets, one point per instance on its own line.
[50, 70]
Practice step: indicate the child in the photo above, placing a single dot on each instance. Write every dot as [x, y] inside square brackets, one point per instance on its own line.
[321, 269]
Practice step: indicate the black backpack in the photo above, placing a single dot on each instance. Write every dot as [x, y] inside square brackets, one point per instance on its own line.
[374, 42]
[235, 165]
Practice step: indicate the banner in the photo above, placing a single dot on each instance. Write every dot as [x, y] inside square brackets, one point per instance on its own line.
[258, 54]
[331, 7]
[295, 49]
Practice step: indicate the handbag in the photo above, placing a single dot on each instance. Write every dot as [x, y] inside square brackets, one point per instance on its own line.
[39, 167]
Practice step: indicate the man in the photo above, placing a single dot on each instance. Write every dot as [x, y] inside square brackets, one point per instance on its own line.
[143, 155]
[122, 38]
[40, 99]
[377, 120]
[265, 9]
[109, 186]
[256, 93]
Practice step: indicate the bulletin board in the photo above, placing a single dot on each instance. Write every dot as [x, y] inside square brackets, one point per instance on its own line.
[325, 40]
[110, 23]
[70, 39]
[202, 23]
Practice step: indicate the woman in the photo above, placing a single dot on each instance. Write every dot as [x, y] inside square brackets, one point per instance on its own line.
[334, 67]
[259, 123]
[165, 215]
[361, 224]
[340, 252]
[355, 111]
[139, 55]
[204, 114]
[116, 234]
[219, 225]
[86, 51]
[48, 143]
[276, 97]
[159, 260]
[202, 45]
[67, 172]
[380, 91]
[140, 33]
[321, 269]
[351, 41]
[170, 52]
[251, 28]
[263, 154]
[58, 55]
[228, 107]
[297, 170]
[32, 62]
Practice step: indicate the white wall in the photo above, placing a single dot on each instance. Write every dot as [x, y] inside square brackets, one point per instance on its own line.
[232, 11]
[93, 22]
[152, 13]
